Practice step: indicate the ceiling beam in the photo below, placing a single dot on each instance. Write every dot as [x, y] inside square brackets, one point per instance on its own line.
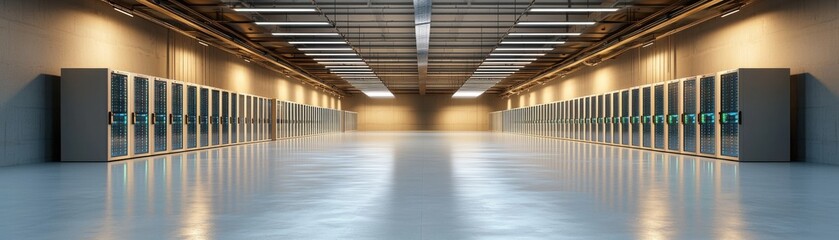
[422, 29]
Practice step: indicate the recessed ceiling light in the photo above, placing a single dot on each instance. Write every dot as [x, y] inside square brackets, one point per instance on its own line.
[125, 11]
[494, 72]
[330, 54]
[346, 66]
[498, 69]
[532, 42]
[556, 23]
[511, 59]
[467, 94]
[574, 9]
[353, 69]
[378, 93]
[359, 77]
[275, 9]
[292, 23]
[315, 42]
[342, 63]
[484, 66]
[504, 63]
[305, 34]
[325, 49]
[545, 34]
[524, 49]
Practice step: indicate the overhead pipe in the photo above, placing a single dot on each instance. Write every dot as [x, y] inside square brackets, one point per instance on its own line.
[609, 44]
[238, 42]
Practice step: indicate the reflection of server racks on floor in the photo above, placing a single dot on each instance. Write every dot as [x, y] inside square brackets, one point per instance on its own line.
[701, 115]
[111, 115]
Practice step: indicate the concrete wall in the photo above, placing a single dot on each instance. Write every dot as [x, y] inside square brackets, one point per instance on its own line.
[39, 37]
[800, 35]
[422, 112]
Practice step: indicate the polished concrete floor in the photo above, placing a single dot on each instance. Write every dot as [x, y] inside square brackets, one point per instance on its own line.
[420, 185]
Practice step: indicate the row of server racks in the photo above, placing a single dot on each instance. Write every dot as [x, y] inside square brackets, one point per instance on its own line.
[109, 115]
[741, 115]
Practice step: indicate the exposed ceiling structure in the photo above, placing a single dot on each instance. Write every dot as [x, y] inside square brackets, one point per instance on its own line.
[380, 47]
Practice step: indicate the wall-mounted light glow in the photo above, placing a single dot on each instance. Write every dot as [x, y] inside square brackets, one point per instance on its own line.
[532, 42]
[574, 9]
[275, 9]
[556, 23]
[292, 23]
[337, 59]
[313, 42]
[733, 11]
[518, 54]
[247, 60]
[305, 34]
[203, 43]
[467, 94]
[511, 59]
[650, 43]
[124, 10]
[524, 49]
[325, 49]
[330, 54]
[545, 34]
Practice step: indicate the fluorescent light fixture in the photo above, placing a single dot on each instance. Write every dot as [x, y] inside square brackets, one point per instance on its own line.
[360, 67]
[511, 59]
[337, 59]
[344, 73]
[378, 93]
[730, 12]
[203, 43]
[467, 94]
[330, 54]
[494, 72]
[275, 9]
[360, 77]
[505, 63]
[532, 42]
[353, 69]
[556, 23]
[314, 42]
[292, 23]
[650, 43]
[487, 77]
[545, 34]
[574, 9]
[484, 66]
[517, 54]
[124, 11]
[342, 63]
[524, 49]
[247, 60]
[305, 34]
[498, 69]
[325, 49]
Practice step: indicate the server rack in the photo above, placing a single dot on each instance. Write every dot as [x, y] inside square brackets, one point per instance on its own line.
[235, 119]
[160, 115]
[192, 116]
[646, 117]
[139, 100]
[635, 120]
[204, 117]
[707, 115]
[607, 118]
[178, 116]
[674, 109]
[658, 116]
[616, 117]
[625, 117]
[690, 99]
[214, 117]
[225, 118]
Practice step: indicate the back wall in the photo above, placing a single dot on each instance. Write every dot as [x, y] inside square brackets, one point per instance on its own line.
[434, 112]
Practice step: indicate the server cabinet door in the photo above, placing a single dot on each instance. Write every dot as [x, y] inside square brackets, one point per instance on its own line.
[243, 118]
[616, 118]
[598, 118]
[140, 116]
[625, 117]
[730, 114]
[586, 115]
[192, 117]
[635, 108]
[234, 118]
[248, 119]
[673, 116]
[646, 117]
[658, 118]
[254, 117]
[225, 119]
[118, 118]
[607, 118]
[177, 117]
[204, 118]
[707, 115]
[214, 118]
[689, 118]
[160, 115]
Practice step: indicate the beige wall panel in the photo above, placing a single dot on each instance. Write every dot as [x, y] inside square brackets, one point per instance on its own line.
[422, 112]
